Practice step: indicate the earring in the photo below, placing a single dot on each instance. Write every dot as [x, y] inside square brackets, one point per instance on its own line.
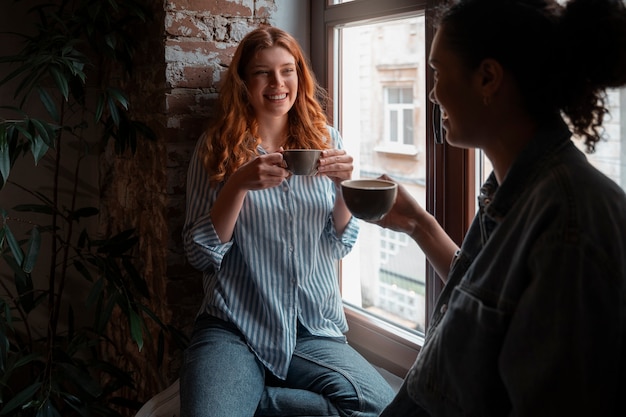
[486, 100]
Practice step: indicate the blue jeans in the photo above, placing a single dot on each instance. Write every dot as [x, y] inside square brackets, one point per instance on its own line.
[221, 377]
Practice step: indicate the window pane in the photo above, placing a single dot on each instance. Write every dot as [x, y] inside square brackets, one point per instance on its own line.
[610, 155]
[394, 95]
[393, 126]
[382, 90]
[407, 125]
[406, 95]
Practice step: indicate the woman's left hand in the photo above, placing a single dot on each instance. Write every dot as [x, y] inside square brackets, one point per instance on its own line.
[336, 164]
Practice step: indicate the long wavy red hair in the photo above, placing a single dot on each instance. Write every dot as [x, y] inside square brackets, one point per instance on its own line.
[233, 139]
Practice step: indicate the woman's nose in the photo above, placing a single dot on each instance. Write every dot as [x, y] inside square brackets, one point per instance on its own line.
[276, 78]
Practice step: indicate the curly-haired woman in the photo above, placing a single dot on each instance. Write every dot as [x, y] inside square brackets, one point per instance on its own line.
[532, 319]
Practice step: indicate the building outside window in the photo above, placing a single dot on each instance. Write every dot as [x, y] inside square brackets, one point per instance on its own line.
[385, 132]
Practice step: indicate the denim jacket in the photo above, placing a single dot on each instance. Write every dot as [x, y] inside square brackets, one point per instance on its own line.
[532, 320]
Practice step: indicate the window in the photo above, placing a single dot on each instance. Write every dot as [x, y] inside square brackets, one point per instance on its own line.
[371, 57]
[378, 69]
[399, 115]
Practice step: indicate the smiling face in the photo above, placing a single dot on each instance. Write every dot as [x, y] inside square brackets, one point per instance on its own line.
[457, 92]
[272, 82]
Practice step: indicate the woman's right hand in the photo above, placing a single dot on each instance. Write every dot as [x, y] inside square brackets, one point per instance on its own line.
[264, 171]
[404, 213]
[407, 216]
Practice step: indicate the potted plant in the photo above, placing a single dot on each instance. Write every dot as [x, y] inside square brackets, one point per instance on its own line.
[71, 70]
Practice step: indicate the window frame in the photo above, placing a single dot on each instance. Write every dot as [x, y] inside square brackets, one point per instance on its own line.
[450, 187]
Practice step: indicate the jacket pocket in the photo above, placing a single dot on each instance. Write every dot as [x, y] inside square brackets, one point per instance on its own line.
[456, 373]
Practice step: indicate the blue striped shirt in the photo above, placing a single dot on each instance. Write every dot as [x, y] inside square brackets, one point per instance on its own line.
[279, 268]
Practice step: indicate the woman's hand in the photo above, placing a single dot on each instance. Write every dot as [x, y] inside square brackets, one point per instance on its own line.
[407, 216]
[264, 171]
[336, 164]
[404, 213]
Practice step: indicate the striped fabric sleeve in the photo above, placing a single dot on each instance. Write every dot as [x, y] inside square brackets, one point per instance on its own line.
[202, 245]
[347, 240]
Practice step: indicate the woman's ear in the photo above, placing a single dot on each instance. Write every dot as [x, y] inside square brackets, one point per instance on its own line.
[490, 75]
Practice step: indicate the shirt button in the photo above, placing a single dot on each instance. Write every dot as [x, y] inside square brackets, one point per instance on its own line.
[443, 308]
[290, 248]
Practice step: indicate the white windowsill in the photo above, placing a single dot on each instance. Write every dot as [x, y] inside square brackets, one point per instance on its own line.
[383, 344]
[404, 150]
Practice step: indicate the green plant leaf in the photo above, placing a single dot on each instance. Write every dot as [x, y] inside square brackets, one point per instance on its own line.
[24, 286]
[140, 284]
[35, 208]
[79, 406]
[44, 131]
[48, 103]
[110, 41]
[119, 96]
[136, 326]
[99, 108]
[16, 250]
[80, 267]
[5, 157]
[83, 239]
[39, 148]
[32, 250]
[20, 128]
[20, 398]
[48, 410]
[85, 212]
[4, 342]
[26, 359]
[113, 111]
[26, 85]
[104, 314]
[61, 82]
[144, 130]
[16, 72]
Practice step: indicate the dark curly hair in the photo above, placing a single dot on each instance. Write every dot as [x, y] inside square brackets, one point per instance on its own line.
[564, 57]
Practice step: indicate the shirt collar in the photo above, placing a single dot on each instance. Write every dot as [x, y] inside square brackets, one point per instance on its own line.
[498, 199]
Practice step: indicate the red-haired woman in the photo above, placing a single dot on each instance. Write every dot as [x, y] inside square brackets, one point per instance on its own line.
[268, 339]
